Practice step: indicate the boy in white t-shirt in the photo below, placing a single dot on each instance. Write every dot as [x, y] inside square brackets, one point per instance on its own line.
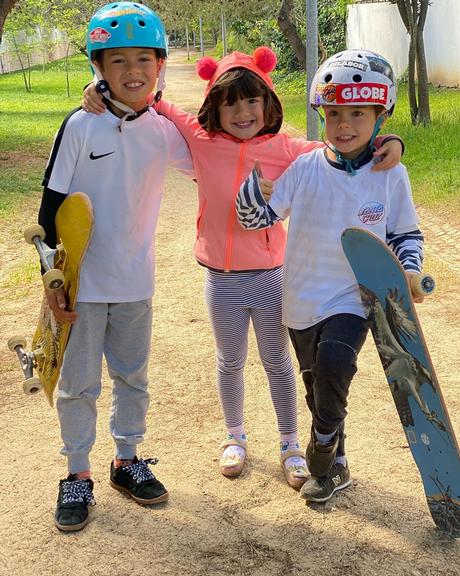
[323, 193]
[119, 159]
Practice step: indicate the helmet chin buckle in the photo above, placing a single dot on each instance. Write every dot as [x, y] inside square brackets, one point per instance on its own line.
[102, 86]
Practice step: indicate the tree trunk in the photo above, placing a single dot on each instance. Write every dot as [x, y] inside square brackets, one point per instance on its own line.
[5, 8]
[423, 114]
[287, 27]
[412, 84]
[413, 14]
[23, 70]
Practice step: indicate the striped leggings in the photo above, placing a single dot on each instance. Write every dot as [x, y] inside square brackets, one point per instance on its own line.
[233, 300]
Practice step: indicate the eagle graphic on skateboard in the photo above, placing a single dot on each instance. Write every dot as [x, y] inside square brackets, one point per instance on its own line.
[74, 224]
[387, 300]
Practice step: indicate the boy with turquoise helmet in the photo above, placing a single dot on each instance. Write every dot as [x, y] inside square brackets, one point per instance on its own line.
[122, 171]
[125, 25]
[128, 25]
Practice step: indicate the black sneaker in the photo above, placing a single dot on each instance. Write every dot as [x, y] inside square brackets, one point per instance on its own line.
[321, 489]
[72, 505]
[137, 480]
[321, 457]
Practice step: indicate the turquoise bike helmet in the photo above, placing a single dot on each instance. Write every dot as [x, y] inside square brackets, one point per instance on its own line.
[126, 25]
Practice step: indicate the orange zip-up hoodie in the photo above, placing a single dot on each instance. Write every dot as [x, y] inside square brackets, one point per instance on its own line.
[222, 163]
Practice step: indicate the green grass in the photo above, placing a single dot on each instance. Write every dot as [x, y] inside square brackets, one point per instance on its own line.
[431, 152]
[28, 122]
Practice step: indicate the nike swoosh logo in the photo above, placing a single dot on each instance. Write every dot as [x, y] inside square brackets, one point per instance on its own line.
[97, 156]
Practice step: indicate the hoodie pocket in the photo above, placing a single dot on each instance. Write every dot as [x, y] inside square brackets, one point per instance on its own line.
[200, 220]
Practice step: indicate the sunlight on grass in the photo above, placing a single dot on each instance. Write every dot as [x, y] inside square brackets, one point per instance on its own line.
[28, 122]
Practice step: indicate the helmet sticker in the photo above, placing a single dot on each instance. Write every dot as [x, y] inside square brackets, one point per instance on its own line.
[348, 64]
[120, 12]
[380, 65]
[99, 35]
[325, 92]
[368, 93]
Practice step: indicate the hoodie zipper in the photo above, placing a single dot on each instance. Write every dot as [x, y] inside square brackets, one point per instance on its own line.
[232, 216]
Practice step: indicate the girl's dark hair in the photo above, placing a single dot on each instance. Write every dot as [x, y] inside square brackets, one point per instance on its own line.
[237, 84]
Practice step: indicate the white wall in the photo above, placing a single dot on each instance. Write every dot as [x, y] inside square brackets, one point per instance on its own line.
[379, 27]
[9, 61]
[442, 42]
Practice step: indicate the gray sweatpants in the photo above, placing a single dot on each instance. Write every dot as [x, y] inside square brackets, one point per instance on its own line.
[122, 333]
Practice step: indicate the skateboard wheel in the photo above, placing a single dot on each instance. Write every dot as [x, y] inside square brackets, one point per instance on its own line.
[32, 231]
[32, 386]
[15, 341]
[422, 284]
[53, 279]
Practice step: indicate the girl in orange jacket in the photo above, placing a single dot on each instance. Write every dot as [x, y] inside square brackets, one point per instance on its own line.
[239, 123]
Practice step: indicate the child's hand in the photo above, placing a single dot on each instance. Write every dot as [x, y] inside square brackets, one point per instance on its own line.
[92, 100]
[57, 302]
[387, 156]
[415, 296]
[266, 186]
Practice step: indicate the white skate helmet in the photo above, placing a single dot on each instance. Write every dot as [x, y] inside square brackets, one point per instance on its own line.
[354, 77]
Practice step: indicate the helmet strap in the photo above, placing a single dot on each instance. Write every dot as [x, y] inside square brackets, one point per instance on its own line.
[378, 125]
[102, 86]
[161, 84]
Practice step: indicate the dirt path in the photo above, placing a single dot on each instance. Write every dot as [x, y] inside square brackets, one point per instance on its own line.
[254, 525]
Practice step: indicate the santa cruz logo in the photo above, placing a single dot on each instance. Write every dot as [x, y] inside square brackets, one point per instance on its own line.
[99, 35]
[371, 213]
[362, 93]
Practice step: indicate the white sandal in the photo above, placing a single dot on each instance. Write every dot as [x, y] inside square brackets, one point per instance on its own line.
[296, 474]
[231, 465]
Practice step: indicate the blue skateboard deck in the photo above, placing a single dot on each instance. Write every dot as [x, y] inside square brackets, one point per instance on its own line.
[400, 343]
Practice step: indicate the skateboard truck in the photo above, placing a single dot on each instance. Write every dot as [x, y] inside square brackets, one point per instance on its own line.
[27, 360]
[53, 279]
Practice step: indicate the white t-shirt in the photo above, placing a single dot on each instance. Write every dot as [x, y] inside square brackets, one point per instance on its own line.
[321, 201]
[123, 174]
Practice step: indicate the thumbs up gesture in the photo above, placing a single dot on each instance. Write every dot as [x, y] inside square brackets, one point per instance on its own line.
[265, 185]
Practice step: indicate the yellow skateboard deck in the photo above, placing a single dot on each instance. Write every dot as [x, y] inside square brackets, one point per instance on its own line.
[74, 224]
